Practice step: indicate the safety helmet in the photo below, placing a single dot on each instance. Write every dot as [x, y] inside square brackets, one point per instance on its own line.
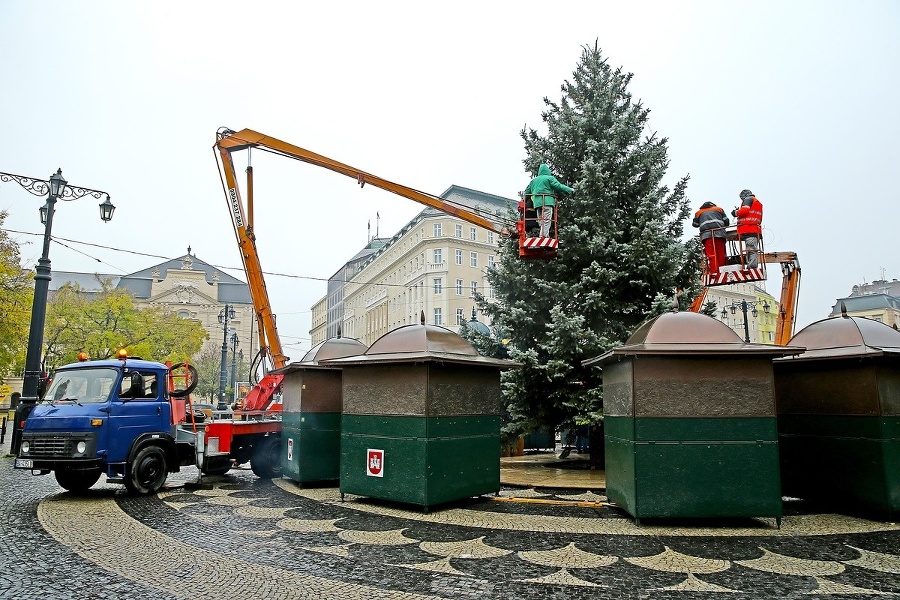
[746, 194]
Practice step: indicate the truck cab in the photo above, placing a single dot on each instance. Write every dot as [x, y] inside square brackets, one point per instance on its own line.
[107, 417]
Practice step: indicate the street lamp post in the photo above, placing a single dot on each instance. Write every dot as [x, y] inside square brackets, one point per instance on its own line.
[225, 315]
[234, 345]
[744, 306]
[56, 189]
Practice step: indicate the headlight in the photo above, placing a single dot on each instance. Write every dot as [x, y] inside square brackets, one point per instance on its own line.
[80, 447]
[25, 447]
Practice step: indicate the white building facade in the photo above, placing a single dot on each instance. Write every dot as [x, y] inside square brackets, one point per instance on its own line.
[434, 266]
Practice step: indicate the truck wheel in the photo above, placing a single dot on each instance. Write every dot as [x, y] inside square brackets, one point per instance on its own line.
[147, 472]
[76, 480]
[266, 458]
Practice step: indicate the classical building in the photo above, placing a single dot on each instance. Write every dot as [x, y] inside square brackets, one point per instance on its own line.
[334, 307]
[761, 323]
[319, 321]
[432, 266]
[879, 301]
[186, 286]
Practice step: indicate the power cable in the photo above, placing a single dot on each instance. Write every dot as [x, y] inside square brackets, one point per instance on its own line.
[57, 239]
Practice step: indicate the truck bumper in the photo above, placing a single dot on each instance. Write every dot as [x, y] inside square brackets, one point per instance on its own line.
[43, 464]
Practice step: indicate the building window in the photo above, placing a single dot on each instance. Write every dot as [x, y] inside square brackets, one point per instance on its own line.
[459, 257]
[438, 256]
[438, 287]
[490, 237]
[472, 233]
[473, 259]
[459, 231]
[437, 317]
[459, 286]
[183, 314]
[474, 287]
[491, 261]
[460, 317]
[437, 230]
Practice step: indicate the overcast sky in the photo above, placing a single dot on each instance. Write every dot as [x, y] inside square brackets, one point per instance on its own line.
[797, 101]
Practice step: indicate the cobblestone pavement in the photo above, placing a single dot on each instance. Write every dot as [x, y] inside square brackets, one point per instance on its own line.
[236, 536]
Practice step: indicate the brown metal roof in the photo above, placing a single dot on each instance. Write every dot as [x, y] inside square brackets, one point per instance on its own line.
[331, 348]
[688, 333]
[843, 337]
[422, 343]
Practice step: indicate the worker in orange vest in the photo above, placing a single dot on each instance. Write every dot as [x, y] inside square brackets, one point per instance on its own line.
[749, 226]
[712, 222]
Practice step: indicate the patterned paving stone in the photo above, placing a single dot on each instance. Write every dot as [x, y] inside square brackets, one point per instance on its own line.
[236, 536]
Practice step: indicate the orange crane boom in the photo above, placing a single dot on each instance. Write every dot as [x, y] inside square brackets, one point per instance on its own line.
[228, 142]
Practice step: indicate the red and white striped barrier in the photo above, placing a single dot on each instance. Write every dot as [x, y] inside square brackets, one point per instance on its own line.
[724, 276]
[540, 242]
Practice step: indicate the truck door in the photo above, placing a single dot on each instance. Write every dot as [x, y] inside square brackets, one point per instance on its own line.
[137, 408]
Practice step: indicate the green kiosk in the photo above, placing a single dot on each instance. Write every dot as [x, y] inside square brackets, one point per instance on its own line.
[421, 418]
[690, 424]
[311, 414]
[839, 416]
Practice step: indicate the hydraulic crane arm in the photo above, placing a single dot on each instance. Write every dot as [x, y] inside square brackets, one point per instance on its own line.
[228, 141]
[269, 342]
[790, 294]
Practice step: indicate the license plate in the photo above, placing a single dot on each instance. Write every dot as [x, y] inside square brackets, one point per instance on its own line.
[24, 463]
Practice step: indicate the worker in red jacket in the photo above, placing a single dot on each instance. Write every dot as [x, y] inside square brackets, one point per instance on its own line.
[749, 226]
[711, 221]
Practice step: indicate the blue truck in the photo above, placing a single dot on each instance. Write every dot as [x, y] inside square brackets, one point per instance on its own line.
[131, 420]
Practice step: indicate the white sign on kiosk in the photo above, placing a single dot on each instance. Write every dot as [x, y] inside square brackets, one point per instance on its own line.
[375, 463]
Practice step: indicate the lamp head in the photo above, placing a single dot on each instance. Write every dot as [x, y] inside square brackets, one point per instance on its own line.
[106, 210]
[57, 184]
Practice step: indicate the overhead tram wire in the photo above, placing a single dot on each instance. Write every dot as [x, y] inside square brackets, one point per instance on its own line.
[166, 258]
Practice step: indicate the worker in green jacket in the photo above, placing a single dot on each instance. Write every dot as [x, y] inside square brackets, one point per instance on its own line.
[543, 190]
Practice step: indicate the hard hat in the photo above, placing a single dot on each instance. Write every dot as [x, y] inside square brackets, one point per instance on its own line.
[746, 194]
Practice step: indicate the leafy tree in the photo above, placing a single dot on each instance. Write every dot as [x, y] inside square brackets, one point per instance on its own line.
[16, 296]
[710, 309]
[102, 324]
[209, 364]
[621, 258]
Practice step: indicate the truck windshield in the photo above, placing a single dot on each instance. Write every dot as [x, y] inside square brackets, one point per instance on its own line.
[82, 385]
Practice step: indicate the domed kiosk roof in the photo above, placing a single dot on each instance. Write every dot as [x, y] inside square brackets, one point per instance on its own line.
[336, 347]
[688, 333]
[422, 343]
[844, 336]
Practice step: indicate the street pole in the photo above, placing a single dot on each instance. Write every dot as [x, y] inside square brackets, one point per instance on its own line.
[226, 314]
[234, 345]
[56, 187]
[38, 311]
[746, 325]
